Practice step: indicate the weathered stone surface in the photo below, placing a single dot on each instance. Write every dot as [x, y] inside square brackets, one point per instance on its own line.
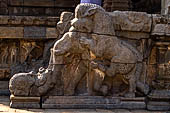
[33, 105]
[159, 100]
[34, 11]
[43, 3]
[46, 3]
[15, 10]
[132, 21]
[4, 89]
[52, 33]
[24, 102]
[11, 32]
[28, 20]
[4, 84]
[16, 2]
[24, 99]
[34, 32]
[161, 30]
[4, 73]
[132, 35]
[123, 5]
[159, 94]
[4, 20]
[158, 106]
[92, 102]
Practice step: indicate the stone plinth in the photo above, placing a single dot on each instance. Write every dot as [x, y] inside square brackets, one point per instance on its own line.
[159, 100]
[24, 102]
[92, 102]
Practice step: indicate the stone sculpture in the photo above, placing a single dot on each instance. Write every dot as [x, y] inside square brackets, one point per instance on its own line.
[124, 59]
[91, 49]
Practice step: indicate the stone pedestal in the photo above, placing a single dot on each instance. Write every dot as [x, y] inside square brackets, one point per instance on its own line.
[24, 102]
[159, 100]
[92, 102]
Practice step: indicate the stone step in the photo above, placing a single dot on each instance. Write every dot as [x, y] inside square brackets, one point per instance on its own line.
[158, 106]
[92, 102]
[4, 84]
[24, 102]
[4, 99]
[4, 92]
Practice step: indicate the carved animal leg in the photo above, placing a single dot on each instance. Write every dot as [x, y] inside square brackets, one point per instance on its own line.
[132, 84]
[79, 73]
[98, 78]
[143, 87]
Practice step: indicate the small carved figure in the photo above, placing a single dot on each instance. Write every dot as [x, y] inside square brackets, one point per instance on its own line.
[5, 54]
[28, 47]
[13, 57]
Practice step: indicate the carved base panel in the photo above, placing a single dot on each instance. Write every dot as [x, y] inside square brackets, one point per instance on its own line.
[158, 100]
[4, 91]
[24, 102]
[92, 102]
[158, 106]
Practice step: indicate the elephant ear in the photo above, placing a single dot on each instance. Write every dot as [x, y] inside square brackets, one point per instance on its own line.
[90, 12]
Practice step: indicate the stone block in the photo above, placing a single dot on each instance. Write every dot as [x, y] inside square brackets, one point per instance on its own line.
[4, 92]
[15, 10]
[34, 32]
[4, 73]
[161, 30]
[132, 21]
[4, 84]
[3, 11]
[93, 102]
[24, 102]
[132, 35]
[4, 88]
[33, 105]
[52, 33]
[24, 99]
[34, 11]
[28, 20]
[3, 3]
[4, 20]
[52, 21]
[16, 2]
[4, 99]
[11, 32]
[45, 3]
[158, 106]
[15, 20]
[65, 3]
[49, 11]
